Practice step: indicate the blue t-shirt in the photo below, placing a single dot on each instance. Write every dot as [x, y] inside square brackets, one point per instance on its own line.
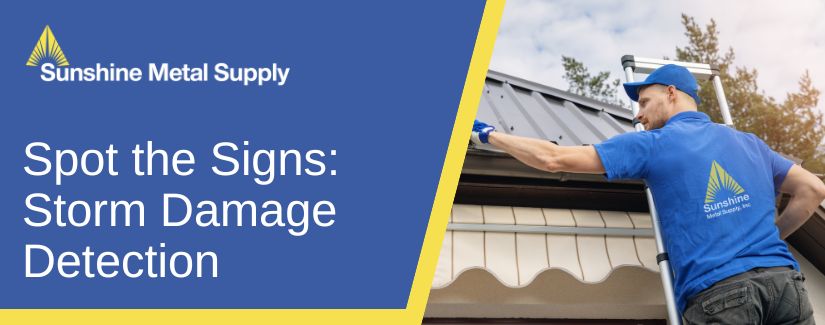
[715, 190]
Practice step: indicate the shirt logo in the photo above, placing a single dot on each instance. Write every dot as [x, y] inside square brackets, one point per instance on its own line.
[720, 179]
[47, 47]
[723, 193]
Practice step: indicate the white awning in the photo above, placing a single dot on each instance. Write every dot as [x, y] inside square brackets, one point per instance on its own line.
[515, 259]
[533, 275]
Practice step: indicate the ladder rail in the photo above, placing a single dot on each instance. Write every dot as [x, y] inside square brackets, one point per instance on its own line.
[723, 102]
[674, 318]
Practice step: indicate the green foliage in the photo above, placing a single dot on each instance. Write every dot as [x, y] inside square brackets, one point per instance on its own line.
[595, 87]
[793, 127]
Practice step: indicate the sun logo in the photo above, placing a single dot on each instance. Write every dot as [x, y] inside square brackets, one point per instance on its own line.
[719, 179]
[47, 47]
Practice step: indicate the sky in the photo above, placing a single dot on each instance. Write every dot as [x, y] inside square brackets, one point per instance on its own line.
[780, 39]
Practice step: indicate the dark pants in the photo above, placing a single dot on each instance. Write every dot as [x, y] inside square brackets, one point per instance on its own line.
[772, 295]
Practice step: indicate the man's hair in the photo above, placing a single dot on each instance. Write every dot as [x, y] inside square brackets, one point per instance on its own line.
[661, 87]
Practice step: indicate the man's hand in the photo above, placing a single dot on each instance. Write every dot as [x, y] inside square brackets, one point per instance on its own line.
[807, 192]
[480, 132]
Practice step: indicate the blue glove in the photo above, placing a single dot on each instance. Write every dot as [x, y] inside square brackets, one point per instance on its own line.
[480, 132]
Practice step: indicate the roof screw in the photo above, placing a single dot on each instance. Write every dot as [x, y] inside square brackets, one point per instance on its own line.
[502, 96]
[559, 137]
[488, 91]
[511, 128]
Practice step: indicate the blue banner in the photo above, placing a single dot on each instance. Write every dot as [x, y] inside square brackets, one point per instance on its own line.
[133, 134]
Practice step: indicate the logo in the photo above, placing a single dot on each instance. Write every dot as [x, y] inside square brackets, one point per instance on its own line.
[722, 186]
[719, 180]
[56, 70]
[47, 47]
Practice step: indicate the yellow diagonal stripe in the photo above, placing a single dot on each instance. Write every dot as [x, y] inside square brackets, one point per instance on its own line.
[47, 47]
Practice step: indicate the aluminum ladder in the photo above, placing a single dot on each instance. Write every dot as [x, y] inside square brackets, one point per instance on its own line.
[700, 71]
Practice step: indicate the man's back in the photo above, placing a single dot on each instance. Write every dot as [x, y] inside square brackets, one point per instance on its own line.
[714, 189]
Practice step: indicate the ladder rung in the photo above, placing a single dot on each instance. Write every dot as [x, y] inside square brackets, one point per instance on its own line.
[700, 71]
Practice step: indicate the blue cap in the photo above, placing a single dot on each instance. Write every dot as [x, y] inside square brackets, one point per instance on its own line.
[667, 75]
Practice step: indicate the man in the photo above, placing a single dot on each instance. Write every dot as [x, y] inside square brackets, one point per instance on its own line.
[714, 188]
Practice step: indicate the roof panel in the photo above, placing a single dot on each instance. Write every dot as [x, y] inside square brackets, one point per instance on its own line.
[485, 112]
[614, 110]
[535, 113]
[599, 127]
[512, 120]
[554, 110]
[528, 109]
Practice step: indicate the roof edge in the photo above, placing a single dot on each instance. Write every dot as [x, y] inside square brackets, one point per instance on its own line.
[590, 103]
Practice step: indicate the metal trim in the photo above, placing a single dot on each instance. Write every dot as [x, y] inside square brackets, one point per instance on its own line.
[550, 229]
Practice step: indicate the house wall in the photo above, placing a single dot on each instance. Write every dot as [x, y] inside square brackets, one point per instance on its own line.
[814, 283]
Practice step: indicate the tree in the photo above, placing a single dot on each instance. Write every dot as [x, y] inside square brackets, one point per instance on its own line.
[595, 87]
[793, 127]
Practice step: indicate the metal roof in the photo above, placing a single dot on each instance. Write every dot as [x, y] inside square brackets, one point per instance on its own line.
[528, 109]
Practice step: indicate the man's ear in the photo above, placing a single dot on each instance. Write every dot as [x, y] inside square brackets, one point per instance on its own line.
[671, 92]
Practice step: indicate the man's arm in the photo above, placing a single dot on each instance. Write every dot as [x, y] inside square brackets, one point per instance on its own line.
[807, 193]
[547, 156]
